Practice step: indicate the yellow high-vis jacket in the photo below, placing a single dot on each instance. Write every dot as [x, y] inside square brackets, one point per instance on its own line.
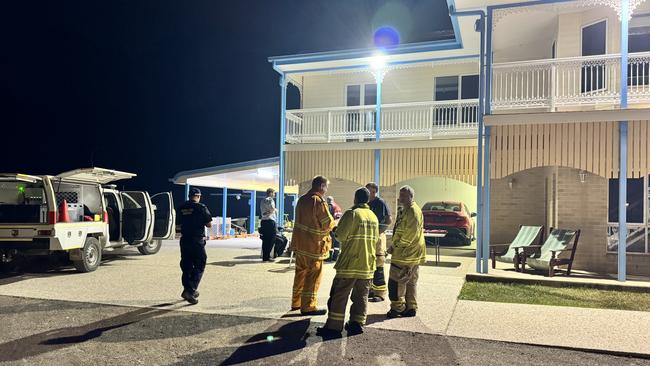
[358, 233]
[409, 248]
[311, 231]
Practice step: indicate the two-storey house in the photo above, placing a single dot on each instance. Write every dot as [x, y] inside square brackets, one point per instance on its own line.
[557, 136]
[566, 118]
[406, 114]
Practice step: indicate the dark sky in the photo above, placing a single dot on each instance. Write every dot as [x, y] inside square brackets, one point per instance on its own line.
[155, 87]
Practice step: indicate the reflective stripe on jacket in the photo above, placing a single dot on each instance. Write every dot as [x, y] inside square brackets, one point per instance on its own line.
[408, 237]
[311, 231]
[358, 233]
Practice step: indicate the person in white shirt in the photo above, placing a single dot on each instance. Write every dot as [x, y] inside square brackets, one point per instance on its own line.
[268, 225]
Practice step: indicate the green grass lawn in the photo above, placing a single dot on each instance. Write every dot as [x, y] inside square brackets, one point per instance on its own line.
[559, 296]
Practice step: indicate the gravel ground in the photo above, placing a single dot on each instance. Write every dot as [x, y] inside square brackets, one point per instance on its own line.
[50, 332]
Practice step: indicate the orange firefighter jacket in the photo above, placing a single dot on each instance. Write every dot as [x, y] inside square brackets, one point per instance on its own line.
[311, 231]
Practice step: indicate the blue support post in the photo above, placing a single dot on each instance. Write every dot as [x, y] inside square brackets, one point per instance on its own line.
[224, 211]
[187, 191]
[622, 175]
[251, 219]
[283, 124]
[481, 249]
[486, 198]
[486, 156]
[379, 78]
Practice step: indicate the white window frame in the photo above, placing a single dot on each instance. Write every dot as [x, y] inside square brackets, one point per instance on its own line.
[460, 84]
[362, 92]
[600, 20]
[646, 219]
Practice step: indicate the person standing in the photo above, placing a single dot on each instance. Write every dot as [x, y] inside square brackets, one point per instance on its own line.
[311, 243]
[268, 224]
[408, 252]
[335, 209]
[336, 212]
[194, 217]
[357, 232]
[378, 206]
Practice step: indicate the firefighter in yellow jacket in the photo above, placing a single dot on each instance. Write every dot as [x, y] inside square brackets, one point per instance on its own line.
[311, 243]
[358, 233]
[408, 252]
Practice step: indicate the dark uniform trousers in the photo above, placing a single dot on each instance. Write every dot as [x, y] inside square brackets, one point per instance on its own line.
[268, 232]
[193, 259]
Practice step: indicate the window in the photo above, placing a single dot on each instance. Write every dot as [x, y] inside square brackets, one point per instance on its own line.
[353, 95]
[455, 88]
[370, 94]
[446, 88]
[594, 42]
[469, 87]
[638, 217]
[22, 202]
[360, 124]
[639, 41]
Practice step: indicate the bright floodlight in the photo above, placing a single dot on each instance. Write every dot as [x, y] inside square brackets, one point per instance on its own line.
[378, 62]
[265, 173]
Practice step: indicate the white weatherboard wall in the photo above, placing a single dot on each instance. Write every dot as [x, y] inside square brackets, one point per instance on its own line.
[569, 43]
[414, 84]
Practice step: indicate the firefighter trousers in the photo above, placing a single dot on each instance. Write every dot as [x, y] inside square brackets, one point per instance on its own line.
[338, 301]
[306, 282]
[378, 287]
[402, 287]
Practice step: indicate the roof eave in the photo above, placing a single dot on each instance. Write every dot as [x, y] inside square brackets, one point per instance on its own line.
[364, 52]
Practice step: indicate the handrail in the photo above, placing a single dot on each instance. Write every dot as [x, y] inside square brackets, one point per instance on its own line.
[546, 61]
[434, 103]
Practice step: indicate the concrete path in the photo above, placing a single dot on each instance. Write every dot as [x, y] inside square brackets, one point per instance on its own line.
[236, 283]
[597, 329]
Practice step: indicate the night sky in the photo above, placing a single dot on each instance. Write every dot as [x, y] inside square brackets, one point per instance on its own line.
[155, 87]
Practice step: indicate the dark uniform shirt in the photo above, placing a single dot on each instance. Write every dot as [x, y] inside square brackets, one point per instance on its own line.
[380, 209]
[193, 217]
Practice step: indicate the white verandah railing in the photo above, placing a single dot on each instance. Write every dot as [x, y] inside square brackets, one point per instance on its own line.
[574, 81]
[401, 120]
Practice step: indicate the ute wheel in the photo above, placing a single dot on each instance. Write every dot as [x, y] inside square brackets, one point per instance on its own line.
[91, 256]
[150, 248]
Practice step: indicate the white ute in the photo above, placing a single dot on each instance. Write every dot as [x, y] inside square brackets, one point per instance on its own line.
[33, 218]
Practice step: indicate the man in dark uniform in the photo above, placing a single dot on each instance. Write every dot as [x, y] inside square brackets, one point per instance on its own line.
[194, 218]
[378, 289]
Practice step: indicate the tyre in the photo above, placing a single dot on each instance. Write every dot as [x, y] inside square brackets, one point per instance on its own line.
[150, 248]
[91, 256]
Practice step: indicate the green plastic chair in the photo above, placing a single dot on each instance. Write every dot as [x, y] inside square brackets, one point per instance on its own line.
[508, 253]
[545, 257]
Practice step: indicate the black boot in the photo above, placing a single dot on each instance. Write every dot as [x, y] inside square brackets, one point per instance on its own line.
[354, 328]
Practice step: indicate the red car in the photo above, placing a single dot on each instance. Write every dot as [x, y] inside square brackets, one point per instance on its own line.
[454, 217]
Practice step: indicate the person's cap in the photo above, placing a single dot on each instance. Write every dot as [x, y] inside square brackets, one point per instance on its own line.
[195, 192]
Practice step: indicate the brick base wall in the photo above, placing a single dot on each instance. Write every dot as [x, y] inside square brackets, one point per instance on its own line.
[580, 205]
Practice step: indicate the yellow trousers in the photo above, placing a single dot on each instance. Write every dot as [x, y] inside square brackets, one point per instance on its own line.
[378, 287]
[306, 282]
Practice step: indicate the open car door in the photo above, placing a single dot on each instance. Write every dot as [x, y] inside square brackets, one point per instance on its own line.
[137, 217]
[164, 216]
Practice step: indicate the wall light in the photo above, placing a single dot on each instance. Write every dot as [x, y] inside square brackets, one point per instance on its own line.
[378, 61]
[511, 182]
[582, 176]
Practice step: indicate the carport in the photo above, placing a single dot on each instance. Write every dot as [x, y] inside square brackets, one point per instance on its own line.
[249, 176]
